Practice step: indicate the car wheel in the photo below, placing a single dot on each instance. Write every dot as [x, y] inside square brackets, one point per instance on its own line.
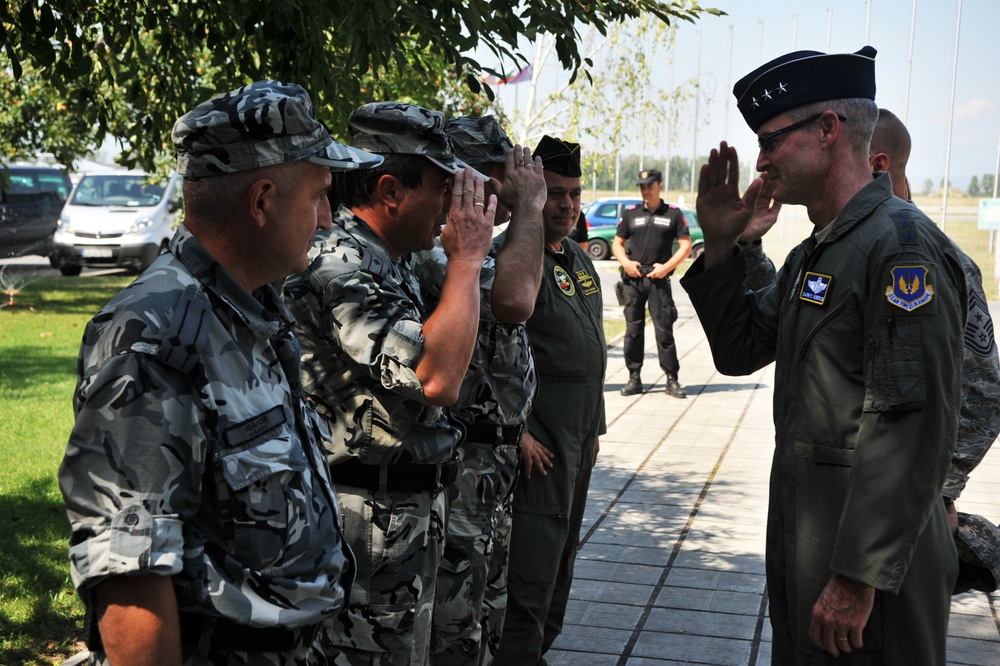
[70, 270]
[598, 249]
[697, 251]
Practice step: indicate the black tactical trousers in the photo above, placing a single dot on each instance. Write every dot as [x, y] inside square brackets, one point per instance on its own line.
[637, 292]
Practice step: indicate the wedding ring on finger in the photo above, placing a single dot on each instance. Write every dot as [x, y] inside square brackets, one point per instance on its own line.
[841, 638]
[480, 204]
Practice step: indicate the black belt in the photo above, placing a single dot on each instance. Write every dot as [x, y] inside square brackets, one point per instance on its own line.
[410, 477]
[493, 434]
[227, 636]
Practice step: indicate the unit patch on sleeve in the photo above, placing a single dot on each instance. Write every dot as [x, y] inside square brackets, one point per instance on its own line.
[815, 288]
[563, 281]
[587, 282]
[908, 288]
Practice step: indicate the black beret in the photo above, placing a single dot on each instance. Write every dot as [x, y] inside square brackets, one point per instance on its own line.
[802, 77]
[558, 156]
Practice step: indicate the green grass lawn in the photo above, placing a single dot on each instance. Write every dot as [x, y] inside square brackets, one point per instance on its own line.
[41, 618]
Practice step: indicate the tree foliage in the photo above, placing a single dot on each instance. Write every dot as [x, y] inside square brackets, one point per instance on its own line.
[131, 68]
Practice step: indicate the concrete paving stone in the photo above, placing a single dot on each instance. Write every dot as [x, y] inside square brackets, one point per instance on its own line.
[609, 616]
[603, 591]
[616, 571]
[601, 640]
[693, 649]
[630, 554]
[716, 580]
[684, 497]
[567, 658]
[636, 537]
[973, 603]
[699, 599]
[699, 559]
[973, 626]
[973, 652]
[629, 515]
[701, 623]
[763, 654]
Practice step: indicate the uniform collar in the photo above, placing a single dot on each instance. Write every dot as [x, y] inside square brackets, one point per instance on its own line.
[262, 312]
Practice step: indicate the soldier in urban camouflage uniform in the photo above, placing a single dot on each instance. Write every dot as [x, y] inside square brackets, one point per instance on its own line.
[494, 400]
[204, 526]
[979, 418]
[381, 371]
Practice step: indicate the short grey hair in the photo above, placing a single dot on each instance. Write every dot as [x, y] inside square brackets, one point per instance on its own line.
[209, 201]
[861, 114]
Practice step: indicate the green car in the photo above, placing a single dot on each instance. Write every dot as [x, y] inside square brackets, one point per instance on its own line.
[599, 238]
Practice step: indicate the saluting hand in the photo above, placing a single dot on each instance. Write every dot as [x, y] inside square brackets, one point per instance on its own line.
[523, 181]
[469, 230]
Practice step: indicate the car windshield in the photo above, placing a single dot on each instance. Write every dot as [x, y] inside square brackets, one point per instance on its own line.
[118, 190]
[27, 181]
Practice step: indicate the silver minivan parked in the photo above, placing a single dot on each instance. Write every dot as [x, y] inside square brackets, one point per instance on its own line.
[122, 219]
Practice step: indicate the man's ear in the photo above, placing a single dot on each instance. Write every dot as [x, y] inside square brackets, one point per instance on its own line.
[261, 198]
[879, 162]
[389, 192]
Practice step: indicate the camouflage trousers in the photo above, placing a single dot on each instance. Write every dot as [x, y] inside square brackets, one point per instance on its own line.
[397, 539]
[471, 598]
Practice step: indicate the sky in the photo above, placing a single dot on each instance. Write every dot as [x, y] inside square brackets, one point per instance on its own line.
[765, 29]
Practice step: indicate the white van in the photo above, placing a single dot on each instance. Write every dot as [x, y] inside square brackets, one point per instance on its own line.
[122, 219]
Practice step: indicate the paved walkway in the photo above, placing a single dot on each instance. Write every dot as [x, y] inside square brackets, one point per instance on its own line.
[671, 567]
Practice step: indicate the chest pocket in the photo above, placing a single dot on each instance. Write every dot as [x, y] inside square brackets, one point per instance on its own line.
[269, 498]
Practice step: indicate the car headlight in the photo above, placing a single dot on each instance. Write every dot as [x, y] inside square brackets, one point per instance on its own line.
[63, 223]
[139, 225]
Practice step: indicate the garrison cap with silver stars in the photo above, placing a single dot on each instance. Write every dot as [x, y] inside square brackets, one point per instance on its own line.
[262, 124]
[799, 78]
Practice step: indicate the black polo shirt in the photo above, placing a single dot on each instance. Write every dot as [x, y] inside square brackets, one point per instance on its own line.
[651, 235]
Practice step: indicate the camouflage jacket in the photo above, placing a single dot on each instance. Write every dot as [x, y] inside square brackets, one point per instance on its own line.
[360, 320]
[193, 454]
[979, 418]
[500, 384]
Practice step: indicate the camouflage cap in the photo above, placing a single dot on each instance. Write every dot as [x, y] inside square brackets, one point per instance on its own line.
[397, 128]
[978, 543]
[259, 125]
[479, 141]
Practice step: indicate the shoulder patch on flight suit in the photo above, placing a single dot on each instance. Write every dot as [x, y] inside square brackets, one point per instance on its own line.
[979, 326]
[563, 281]
[905, 227]
[908, 288]
[187, 333]
[587, 282]
[815, 288]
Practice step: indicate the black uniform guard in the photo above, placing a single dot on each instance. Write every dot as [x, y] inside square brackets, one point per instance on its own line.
[647, 262]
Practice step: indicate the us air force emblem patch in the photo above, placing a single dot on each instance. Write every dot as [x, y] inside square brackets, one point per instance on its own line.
[563, 281]
[587, 282]
[908, 288]
[979, 327]
[815, 287]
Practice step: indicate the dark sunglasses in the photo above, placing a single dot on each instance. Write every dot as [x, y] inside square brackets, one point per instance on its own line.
[766, 142]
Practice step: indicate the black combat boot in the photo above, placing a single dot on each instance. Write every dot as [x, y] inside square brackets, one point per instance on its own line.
[674, 389]
[633, 386]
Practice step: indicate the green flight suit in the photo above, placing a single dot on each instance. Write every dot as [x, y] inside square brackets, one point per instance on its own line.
[865, 327]
[567, 336]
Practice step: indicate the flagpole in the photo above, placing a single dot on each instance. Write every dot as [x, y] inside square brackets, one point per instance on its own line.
[795, 29]
[868, 22]
[951, 121]
[725, 93]
[670, 116]
[697, 96]
[829, 26]
[909, 62]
